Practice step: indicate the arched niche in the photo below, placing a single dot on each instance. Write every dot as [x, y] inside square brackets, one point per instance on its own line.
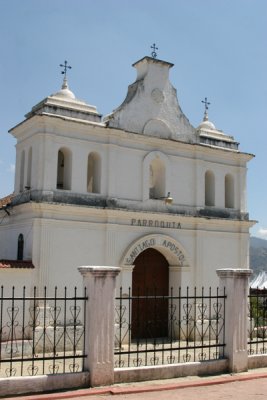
[94, 173]
[229, 191]
[158, 128]
[157, 179]
[64, 169]
[209, 189]
[156, 175]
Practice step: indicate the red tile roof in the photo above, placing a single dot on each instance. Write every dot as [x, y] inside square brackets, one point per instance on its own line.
[6, 200]
[16, 264]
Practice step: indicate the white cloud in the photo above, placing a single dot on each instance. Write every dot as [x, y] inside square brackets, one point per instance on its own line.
[262, 232]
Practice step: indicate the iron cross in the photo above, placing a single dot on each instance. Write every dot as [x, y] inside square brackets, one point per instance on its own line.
[206, 103]
[65, 66]
[154, 54]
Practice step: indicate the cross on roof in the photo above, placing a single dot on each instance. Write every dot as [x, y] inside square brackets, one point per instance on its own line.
[65, 66]
[154, 54]
[206, 103]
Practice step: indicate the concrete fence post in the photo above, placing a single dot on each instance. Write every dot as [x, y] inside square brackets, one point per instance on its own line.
[100, 283]
[236, 286]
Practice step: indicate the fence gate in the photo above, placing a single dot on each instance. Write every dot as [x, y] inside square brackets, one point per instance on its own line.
[195, 322]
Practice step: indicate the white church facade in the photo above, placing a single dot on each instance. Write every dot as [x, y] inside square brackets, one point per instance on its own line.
[141, 189]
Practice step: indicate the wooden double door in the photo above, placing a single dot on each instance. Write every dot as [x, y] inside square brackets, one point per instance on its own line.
[149, 284]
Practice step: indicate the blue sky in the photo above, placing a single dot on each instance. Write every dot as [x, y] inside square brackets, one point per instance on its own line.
[218, 48]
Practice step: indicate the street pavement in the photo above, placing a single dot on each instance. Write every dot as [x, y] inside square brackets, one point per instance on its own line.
[251, 385]
[246, 390]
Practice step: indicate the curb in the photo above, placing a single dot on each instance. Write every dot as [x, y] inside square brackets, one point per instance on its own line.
[112, 390]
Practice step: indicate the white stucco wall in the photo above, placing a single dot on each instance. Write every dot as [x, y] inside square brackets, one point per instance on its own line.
[65, 237]
[149, 128]
[18, 278]
[124, 165]
[9, 234]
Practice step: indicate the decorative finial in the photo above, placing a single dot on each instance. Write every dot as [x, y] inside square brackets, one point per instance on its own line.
[154, 54]
[65, 66]
[206, 118]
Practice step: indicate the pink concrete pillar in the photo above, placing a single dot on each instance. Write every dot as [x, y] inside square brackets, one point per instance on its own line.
[236, 286]
[100, 283]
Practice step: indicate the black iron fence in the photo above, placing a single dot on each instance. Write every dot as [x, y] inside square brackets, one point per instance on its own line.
[40, 333]
[257, 334]
[180, 327]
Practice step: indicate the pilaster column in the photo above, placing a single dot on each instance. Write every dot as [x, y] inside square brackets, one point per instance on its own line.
[126, 277]
[122, 332]
[235, 282]
[100, 283]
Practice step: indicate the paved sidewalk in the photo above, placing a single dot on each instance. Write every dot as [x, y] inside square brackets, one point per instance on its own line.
[251, 385]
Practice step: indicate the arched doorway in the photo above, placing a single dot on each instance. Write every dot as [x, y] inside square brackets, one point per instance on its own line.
[150, 282]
